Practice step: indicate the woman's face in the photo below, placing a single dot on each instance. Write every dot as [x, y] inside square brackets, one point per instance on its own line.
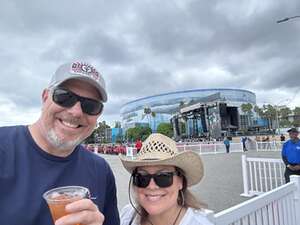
[154, 199]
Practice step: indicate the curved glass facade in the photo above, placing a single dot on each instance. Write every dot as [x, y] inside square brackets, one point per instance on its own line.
[163, 106]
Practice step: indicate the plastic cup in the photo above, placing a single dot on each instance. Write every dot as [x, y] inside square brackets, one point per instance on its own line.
[58, 198]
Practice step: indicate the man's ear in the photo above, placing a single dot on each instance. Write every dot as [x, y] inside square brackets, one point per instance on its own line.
[45, 95]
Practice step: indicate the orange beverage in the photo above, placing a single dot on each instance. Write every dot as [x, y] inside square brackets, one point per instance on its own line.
[58, 198]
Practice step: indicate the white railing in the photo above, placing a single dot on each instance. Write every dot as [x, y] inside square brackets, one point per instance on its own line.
[261, 175]
[210, 148]
[277, 207]
[269, 145]
[218, 147]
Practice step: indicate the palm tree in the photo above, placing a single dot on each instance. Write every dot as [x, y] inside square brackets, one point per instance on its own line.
[150, 114]
[270, 113]
[247, 108]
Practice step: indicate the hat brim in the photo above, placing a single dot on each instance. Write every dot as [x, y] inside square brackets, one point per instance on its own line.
[188, 161]
[293, 131]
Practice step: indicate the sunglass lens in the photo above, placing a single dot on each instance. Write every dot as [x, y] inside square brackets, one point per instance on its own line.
[164, 179]
[64, 98]
[141, 181]
[91, 107]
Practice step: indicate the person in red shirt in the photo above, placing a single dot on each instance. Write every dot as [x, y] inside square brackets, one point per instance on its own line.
[138, 145]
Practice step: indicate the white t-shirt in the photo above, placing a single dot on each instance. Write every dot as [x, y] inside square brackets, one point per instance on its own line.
[191, 217]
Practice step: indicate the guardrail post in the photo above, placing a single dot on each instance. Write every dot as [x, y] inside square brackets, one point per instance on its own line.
[296, 180]
[245, 177]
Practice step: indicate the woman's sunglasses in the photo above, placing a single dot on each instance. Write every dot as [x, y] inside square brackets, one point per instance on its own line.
[162, 179]
[67, 99]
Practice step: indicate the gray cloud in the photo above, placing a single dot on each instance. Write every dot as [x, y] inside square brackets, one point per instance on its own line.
[150, 47]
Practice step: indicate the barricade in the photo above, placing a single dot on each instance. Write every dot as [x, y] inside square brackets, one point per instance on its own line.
[269, 145]
[276, 207]
[130, 151]
[211, 148]
[261, 175]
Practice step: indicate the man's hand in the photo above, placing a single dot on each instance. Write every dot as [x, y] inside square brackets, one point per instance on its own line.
[294, 168]
[83, 212]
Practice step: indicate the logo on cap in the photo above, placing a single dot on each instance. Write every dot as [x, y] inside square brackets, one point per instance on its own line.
[85, 70]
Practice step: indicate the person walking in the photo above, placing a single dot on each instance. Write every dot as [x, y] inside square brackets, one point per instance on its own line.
[227, 144]
[48, 154]
[291, 154]
[244, 141]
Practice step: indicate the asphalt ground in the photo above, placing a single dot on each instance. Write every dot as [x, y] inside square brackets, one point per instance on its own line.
[219, 189]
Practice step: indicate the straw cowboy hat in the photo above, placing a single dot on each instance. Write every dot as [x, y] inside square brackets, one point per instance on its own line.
[159, 149]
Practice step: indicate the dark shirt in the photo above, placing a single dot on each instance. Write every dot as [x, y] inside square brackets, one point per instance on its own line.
[26, 172]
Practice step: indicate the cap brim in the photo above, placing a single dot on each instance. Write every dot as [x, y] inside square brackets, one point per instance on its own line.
[188, 161]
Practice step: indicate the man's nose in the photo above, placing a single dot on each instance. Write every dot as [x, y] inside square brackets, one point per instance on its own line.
[76, 110]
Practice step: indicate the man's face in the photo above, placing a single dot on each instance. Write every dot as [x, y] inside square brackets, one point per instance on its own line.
[64, 128]
[293, 135]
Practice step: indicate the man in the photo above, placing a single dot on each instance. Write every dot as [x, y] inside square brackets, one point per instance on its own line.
[227, 144]
[48, 154]
[138, 145]
[244, 140]
[291, 154]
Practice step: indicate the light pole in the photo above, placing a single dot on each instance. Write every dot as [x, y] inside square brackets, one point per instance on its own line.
[277, 106]
[286, 19]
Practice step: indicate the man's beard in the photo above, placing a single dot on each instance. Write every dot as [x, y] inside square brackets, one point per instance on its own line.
[59, 144]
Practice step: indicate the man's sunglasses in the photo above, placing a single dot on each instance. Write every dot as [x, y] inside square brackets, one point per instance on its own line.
[67, 99]
[162, 179]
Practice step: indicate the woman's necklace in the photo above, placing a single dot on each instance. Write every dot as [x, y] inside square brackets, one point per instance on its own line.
[177, 216]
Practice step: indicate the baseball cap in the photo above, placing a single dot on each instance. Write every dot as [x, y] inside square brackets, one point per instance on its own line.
[295, 130]
[80, 71]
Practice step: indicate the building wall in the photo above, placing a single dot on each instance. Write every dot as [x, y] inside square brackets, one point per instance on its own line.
[167, 104]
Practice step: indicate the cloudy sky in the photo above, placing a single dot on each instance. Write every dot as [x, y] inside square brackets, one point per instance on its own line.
[147, 47]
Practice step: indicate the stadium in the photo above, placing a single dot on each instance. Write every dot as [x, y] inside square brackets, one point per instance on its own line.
[210, 112]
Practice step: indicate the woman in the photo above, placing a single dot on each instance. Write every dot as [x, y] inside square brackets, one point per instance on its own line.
[160, 177]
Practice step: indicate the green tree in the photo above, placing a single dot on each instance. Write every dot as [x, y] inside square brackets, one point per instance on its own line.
[166, 129]
[258, 110]
[149, 114]
[296, 111]
[271, 114]
[117, 124]
[283, 114]
[119, 139]
[138, 133]
[247, 108]
[296, 121]
[285, 123]
[98, 133]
